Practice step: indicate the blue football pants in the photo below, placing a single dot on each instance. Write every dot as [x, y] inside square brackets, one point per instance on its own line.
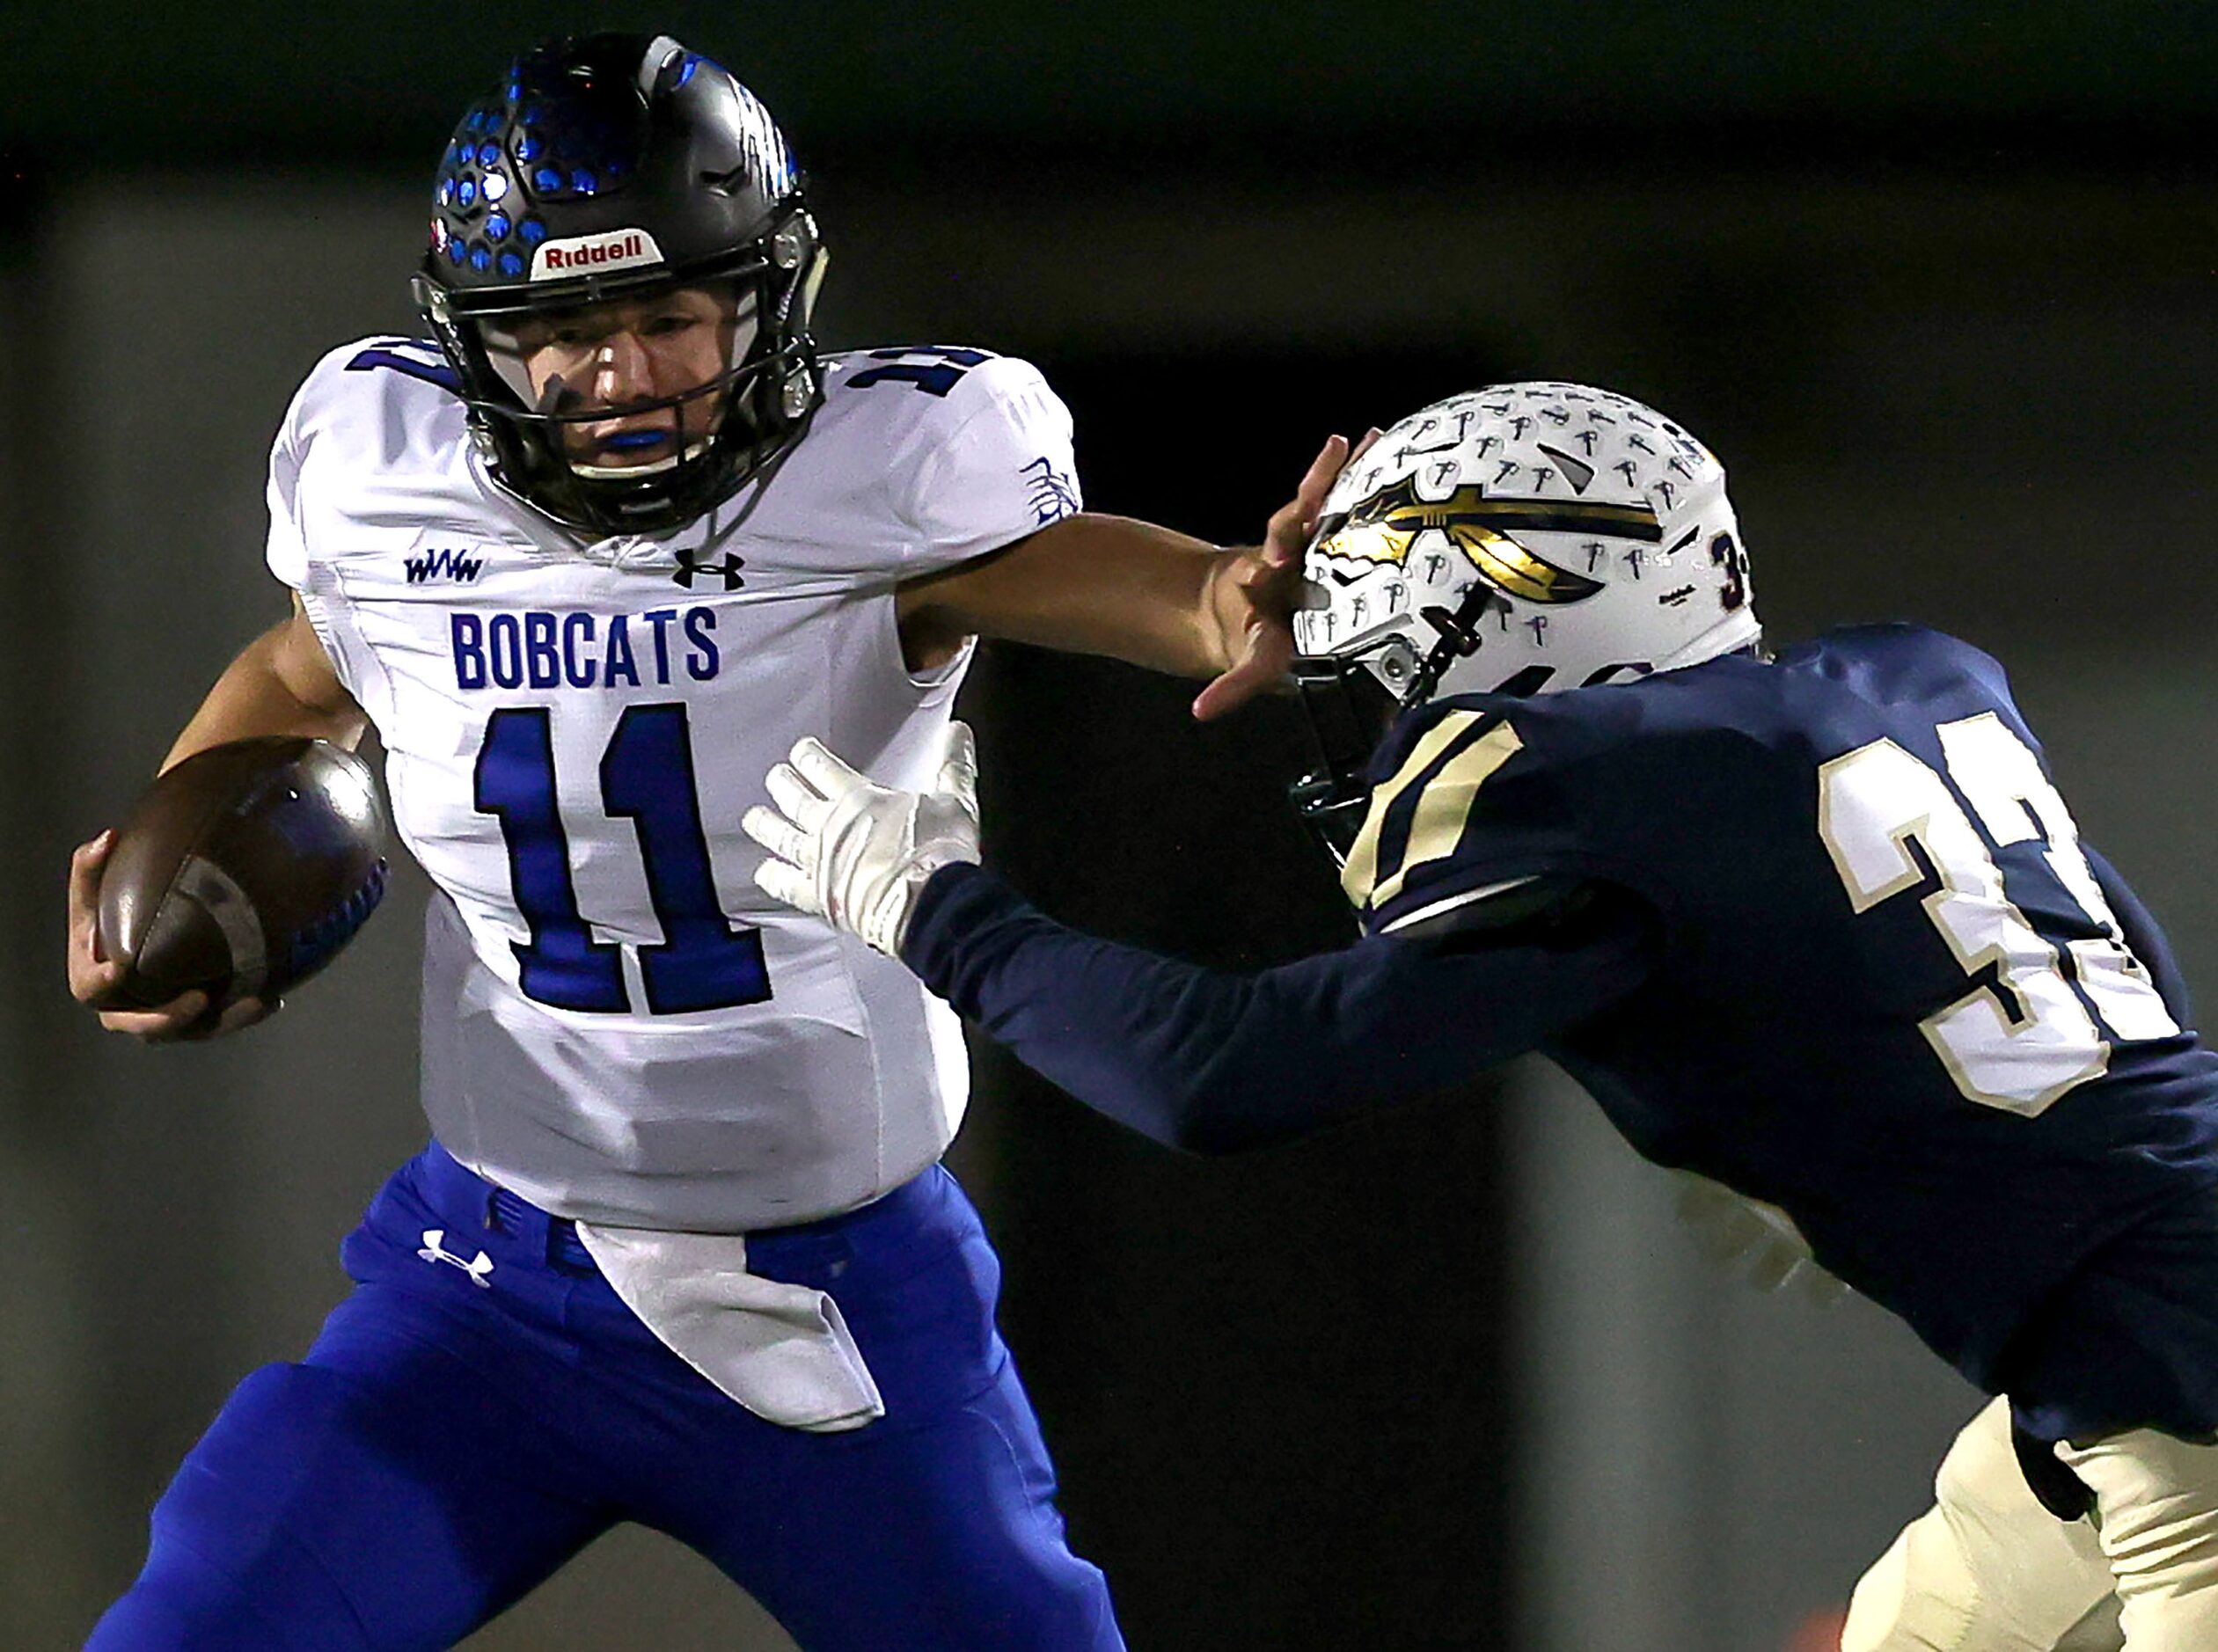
[446, 1444]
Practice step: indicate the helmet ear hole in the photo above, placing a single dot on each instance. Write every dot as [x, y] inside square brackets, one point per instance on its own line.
[1396, 667]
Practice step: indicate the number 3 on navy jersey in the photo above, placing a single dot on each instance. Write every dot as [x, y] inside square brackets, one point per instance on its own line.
[1877, 801]
[703, 961]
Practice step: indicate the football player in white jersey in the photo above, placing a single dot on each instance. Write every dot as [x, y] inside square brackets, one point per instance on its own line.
[681, 1251]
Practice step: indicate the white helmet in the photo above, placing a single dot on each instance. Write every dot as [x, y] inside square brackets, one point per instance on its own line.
[1520, 539]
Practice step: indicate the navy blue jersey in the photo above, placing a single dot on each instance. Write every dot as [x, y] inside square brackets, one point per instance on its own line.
[1852, 960]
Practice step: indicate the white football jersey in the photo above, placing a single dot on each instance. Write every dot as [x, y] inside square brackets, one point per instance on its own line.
[616, 1023]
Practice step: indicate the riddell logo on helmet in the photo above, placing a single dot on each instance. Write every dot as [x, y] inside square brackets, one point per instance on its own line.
[586, 254]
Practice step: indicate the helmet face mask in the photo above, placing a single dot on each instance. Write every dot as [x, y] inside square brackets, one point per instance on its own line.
[1522, 539]
[1349, 709]
[615, 194]
[685, 344]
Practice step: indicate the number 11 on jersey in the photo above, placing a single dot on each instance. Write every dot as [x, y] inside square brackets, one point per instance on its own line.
[704, 960]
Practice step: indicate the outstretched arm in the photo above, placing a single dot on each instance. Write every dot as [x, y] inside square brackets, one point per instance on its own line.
[1213, 1060]
[1203, 1059]
[1108, 585]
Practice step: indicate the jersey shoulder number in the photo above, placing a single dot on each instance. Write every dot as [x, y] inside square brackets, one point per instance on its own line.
[418, 359]
[932, 368]
[1418, 814]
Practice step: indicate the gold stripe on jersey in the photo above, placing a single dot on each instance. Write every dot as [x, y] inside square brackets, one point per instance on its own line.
[1362, 870]
[1445, 805]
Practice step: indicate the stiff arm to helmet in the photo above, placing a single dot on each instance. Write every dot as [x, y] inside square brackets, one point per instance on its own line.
[1524, 538]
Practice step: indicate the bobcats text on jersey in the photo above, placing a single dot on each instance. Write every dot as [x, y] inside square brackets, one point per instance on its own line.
[582, 649]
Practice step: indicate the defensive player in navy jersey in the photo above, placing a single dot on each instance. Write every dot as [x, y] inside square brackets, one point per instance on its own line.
[681, 1251]
[1818, 927]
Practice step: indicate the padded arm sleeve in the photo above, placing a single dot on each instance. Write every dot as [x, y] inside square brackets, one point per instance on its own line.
[1216, 1062]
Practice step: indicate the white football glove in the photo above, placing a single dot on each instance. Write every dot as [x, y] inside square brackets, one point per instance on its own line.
[1756, 1240]
[849, 849]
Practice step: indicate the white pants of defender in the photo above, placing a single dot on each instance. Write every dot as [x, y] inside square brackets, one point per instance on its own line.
[1988, 1570]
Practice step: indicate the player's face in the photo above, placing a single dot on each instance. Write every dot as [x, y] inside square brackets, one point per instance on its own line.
[626, 352]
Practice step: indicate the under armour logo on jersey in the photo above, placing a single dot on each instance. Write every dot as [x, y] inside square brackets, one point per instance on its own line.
[729, 567]
[434, 1251]
[443, 563]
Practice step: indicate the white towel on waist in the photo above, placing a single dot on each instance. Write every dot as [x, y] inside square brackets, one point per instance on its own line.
[783, 1351]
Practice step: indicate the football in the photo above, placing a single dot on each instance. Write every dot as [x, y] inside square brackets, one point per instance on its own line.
[242, 871]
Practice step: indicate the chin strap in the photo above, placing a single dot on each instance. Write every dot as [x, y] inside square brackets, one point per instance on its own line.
[1459, 640]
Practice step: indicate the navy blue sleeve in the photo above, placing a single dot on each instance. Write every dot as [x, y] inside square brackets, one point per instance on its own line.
[1213, 1060]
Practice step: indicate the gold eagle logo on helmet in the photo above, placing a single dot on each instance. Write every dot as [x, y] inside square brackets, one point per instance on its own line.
[1382, 528]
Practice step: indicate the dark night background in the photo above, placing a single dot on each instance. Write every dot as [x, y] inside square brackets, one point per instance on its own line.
[1938, 281]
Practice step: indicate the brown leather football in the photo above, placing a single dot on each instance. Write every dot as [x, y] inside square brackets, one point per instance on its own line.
[242, 871]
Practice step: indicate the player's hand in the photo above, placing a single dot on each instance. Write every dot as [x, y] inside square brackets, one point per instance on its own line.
[1758, 1241]
[94, 979]
[849, 849]
[1253, 594]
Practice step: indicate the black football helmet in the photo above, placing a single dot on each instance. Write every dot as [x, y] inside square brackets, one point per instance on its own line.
[617, 166]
